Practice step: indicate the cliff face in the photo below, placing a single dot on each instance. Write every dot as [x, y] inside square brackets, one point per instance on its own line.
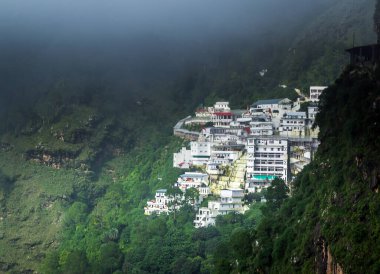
[325, 263]
[331, 223]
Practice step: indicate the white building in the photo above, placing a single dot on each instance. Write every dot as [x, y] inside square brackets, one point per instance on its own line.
[192, 180]
[261, 128]
[222, 118]
[271, 104]
[315, 92]
[231, 200]
[159, 205]
[204, 190]
[312, 112]
[213, 168]
[300, 156]
[293, 124]
[221, 106]
[267, 158]
[182, 159]
[224, 157]
[200, 152]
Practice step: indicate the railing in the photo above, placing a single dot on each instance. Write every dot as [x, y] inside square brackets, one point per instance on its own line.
[184, 133]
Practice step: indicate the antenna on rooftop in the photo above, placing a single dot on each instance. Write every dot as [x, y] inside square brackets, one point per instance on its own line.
[376, 20]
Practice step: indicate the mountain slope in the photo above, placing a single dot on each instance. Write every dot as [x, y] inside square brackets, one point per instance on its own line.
[77, 167]
[331, 221]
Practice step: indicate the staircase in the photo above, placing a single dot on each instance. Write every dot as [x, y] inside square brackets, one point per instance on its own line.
[238, 172]
[235, 178]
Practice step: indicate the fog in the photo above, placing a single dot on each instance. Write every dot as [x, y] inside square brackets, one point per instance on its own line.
[131, 44]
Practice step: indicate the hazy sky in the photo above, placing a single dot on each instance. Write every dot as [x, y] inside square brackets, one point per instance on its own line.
[45, 40]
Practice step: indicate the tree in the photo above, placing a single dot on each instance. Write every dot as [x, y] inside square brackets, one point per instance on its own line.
[110, 258]
[75, 263]
[176, 194]
[276, 194]
[192, 195]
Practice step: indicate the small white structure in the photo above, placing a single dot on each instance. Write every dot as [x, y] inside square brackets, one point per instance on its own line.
[300, 156]
[192, 180]
[293, 124]
[315, 92]
[231, 200]
[213, 168]
[222, 106]
[159, 205]
[182, 159]
[261, 128]
[312, 112]
[204, 190]
[224, 157]
[271, 104]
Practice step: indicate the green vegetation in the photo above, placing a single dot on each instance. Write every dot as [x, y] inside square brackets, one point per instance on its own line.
[334, 203]
[77, 167]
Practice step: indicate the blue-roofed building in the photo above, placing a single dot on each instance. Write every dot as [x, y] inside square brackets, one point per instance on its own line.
[272, 104]
[191, 180]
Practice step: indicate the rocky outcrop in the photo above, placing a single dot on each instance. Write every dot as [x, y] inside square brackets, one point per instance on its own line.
[325, 263]
[55, 159]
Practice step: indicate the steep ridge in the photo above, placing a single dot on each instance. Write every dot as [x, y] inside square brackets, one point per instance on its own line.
[331, 222]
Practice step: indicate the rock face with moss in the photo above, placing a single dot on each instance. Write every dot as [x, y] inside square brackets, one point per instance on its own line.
[331, 222]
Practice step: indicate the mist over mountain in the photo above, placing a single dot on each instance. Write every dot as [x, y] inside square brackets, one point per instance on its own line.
[132, 45]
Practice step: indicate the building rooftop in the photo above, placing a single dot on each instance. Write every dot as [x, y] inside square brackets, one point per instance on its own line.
[268, 102]
[299, 113]
[161, 191]
[318, 87]
[193, 175]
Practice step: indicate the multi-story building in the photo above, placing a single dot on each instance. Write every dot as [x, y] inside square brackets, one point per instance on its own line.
[231, 200]
[271, 104]
[200, 152]
[293, 124]
[226, 154]
[222, 118]
[191, 180]
[221, 106]
[261, 128]
[160, 205]
[312, 112]
[315, 92]
[267, 158]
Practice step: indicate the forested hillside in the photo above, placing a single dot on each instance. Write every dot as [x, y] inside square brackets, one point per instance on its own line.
[79, 158]
[331, 221]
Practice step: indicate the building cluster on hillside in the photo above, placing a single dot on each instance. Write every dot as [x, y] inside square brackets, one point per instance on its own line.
[165, 202]
[242, 151]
